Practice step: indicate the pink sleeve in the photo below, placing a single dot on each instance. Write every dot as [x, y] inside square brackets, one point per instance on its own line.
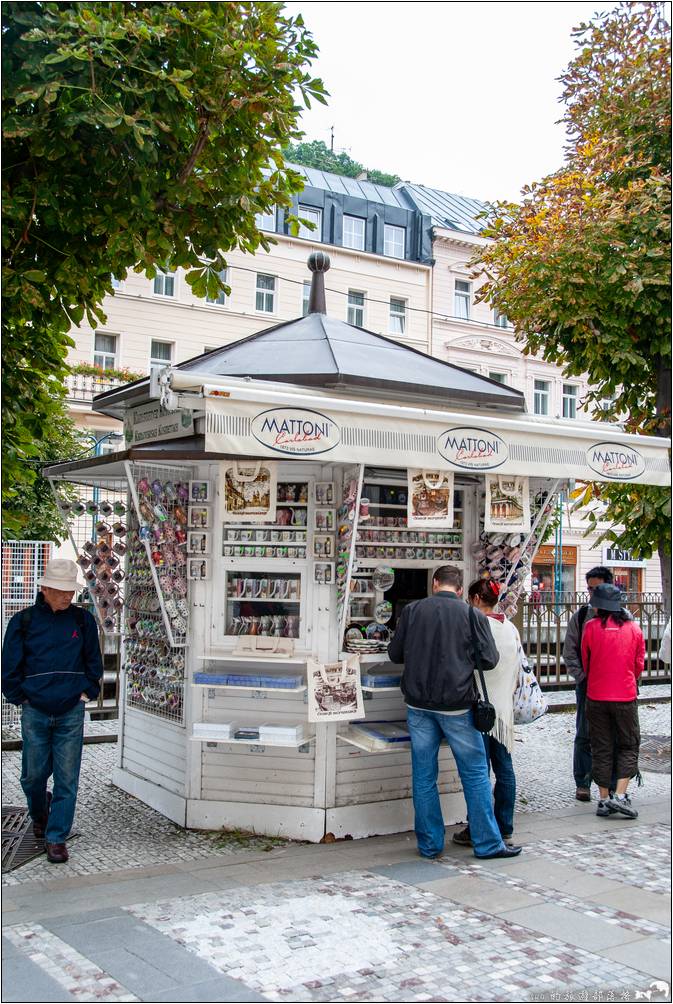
[640, 651]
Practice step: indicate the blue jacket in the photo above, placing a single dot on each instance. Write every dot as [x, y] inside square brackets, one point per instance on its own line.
[54, 661]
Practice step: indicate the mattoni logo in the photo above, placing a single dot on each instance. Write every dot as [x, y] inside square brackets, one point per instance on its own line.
[473, 449]
[296, 431]
[614, 461]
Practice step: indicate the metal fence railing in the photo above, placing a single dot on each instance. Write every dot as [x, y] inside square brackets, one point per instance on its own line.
[545, 620]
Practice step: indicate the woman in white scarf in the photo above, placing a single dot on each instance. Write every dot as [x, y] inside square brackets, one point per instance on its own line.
[501, 683]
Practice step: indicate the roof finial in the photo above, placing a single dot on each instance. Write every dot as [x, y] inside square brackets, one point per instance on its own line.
[318, 264]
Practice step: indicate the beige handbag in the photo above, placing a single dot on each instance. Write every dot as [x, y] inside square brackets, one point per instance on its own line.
[263, 645]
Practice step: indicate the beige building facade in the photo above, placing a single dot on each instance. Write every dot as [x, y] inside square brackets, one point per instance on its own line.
[405, 275]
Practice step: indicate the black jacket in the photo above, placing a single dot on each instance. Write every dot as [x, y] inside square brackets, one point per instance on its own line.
[434, 641]
[53, 660]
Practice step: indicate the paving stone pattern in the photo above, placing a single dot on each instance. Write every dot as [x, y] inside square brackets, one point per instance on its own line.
[118, 831]
[363, 937]
[76, 974]
[640, 857]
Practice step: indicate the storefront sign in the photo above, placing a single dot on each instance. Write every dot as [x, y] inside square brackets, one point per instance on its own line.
[473, 449]
[295, 431]
[150, 422]
[619, 463]
[619, 557]
[546, 555]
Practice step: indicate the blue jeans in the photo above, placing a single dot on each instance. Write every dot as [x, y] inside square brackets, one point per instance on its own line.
[52, 744]
[582, 746]
[427, 729]
[504, 792]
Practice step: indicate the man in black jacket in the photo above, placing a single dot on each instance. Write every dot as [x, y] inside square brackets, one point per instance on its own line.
[434, 641]
[51, 665]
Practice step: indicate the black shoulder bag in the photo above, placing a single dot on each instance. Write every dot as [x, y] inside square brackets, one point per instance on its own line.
[483, 711]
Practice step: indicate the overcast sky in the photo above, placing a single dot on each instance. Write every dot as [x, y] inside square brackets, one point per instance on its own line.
[459, 96]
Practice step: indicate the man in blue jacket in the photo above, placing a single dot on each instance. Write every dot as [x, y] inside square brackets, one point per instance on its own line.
[51, 665]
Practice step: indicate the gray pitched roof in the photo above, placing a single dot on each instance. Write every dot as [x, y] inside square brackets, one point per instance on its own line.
[349, 186]
[322, 351]
[454, 212]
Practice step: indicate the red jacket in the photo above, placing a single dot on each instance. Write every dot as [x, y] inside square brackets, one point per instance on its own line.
[613, 657]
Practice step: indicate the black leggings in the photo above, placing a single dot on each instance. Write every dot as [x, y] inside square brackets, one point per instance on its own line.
[614, 734]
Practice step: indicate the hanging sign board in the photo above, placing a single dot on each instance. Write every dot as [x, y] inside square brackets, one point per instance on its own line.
[295, 432]
[151, 422]
[340, 434]
[619, 557]
[334, 690]
[507, 505]
[430, 498]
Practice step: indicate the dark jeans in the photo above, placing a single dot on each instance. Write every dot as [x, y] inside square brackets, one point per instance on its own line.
[582, 747]
[504, 792]
[52, 744]
[615, 740]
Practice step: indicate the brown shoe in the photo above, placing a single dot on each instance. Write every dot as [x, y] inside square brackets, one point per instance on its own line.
[583, 795]
[40, 824]
[57, 853]
[462, 838]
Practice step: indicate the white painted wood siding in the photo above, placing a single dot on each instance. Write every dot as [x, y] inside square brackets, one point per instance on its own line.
[154, 750]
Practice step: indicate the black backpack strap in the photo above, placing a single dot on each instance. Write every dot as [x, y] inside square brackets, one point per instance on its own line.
[582, 615]
[26, 618]
[477, 650]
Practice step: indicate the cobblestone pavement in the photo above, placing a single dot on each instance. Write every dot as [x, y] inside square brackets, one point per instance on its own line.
[117, 831]
[352, 937]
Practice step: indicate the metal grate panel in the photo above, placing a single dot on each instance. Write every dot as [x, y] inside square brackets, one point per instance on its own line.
[19, 845]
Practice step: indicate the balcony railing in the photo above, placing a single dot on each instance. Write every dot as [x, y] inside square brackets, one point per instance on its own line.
[82, 387]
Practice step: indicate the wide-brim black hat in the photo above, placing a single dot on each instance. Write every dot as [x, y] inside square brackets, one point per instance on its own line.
[607, 597]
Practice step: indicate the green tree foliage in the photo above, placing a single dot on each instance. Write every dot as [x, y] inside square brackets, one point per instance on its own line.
[582, 266]
[32, 514]
[134, 135]
[316, 154]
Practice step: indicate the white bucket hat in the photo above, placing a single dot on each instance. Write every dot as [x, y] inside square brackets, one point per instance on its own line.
[60, 573]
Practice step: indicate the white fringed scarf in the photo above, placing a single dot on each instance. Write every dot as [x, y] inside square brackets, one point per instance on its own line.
[501, 681]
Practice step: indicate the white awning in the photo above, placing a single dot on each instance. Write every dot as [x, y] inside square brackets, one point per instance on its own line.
[264, 419]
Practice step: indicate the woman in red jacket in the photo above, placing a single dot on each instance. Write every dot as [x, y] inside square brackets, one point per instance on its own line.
[613, 657]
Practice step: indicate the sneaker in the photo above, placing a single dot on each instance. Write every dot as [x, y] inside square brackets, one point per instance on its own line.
[604, 808]
[583, 794]
[462, 837]
[622, 803]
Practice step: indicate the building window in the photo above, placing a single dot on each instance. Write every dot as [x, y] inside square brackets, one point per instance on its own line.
[354, 233]
[313, 216]
[461, 299]
[305, 297]
[265, 296]
[116, 283]
[500, 320]
[164, 282]
[105, 351]
[498, 377]
[541, 397]
[266, 221]
[569, 400]
[393, 241]
[398, 316]
[221, 297]
[161, 353]
[356, 308]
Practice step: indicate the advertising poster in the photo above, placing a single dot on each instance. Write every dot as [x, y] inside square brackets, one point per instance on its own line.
[335, 691]
[507, 505]
[429, 498]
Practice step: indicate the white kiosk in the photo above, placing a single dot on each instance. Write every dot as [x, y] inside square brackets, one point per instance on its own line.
[245, 538]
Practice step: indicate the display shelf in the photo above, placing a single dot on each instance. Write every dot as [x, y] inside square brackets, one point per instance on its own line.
[381, 690]
[235, 686]
[404, 543]
[393, 747]
[411, 529]
[252, 742]
[258, 599]
[300, 659]
[361, 596]
[369, 618]
[405, 562]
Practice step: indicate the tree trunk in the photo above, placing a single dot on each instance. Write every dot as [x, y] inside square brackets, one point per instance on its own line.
[665, 562]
